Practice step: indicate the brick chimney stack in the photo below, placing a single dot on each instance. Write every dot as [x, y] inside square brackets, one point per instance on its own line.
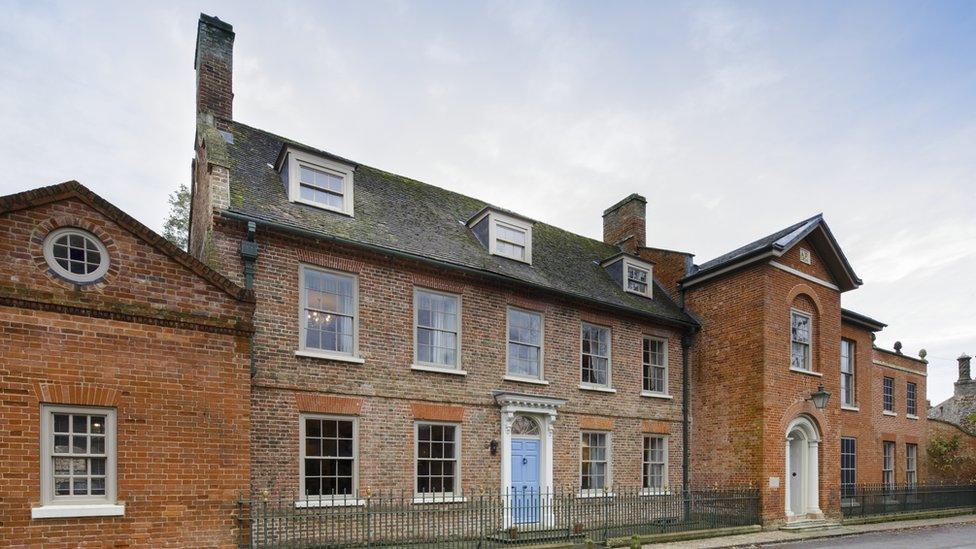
[964, 376]
[624, 224]
[214, 63]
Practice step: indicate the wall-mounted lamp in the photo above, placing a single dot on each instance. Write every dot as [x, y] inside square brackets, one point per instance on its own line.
[820, 397]
[493, 447]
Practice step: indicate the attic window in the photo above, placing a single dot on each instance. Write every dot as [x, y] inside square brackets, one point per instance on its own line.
[318, 182]
[632, 274]
[504, 235]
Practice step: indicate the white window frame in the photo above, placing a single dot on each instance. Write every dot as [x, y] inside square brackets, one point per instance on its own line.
[596, 386]
[303, 350]
[295, 159]
[608, 476]
[664, 488]
[647, 267]
[887, 463]
[852, 375]
[542, 345]
[437, 497]
[911, 399]
[649, 367]
[809, 344]
[66, 274]
[434, 366]
[53, 506]
[911, 464]
[884, 389]
[842, 468]
[351, 499]
[494, 218]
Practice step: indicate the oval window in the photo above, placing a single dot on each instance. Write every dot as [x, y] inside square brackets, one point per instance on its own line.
[76, 255]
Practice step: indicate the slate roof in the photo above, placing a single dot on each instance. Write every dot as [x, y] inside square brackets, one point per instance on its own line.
[779, 239]
[424, 221]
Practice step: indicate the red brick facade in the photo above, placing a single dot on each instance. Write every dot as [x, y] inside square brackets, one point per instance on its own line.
[160, 340]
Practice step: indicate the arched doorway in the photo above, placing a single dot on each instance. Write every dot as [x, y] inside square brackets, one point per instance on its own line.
[802, 469]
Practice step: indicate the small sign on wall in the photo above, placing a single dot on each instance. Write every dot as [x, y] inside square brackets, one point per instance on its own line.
[774, 482]
[805, 256]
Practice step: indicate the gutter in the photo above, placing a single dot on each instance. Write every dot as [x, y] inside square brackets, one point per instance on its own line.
[455, 267]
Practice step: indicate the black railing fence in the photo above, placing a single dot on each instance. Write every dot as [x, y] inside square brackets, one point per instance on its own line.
[880, 499]
[489, 519]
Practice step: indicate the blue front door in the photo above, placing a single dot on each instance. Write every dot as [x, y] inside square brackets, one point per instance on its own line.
[525, 481]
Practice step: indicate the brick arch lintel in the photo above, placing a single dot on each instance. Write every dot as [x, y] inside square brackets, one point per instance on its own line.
[83, 394]
[44, 228]
[807, 291]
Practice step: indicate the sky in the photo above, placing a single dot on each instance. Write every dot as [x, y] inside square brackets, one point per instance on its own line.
[733, 119]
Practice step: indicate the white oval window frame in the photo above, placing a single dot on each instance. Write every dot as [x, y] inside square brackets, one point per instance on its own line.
[66, 274]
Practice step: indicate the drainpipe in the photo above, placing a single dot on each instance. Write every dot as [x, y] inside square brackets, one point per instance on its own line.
[249, 254]
[685, 420]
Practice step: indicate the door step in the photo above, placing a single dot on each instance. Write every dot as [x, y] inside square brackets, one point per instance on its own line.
[809, 525]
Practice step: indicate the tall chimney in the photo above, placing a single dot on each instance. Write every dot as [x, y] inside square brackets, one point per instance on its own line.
[624, 223]
[214, 63]
[964, 368]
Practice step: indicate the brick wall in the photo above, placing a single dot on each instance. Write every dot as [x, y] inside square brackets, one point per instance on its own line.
[963, 470]
[391, 393]
[164, 347]
[669, 267]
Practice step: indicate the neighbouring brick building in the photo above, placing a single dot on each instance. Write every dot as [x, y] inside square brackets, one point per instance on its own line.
[411, 338]
[128, 360]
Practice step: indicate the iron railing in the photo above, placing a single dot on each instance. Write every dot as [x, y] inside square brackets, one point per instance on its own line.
[880, 499]
[488, 520]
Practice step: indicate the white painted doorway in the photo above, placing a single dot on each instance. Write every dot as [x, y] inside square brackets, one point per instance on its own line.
[802, 470]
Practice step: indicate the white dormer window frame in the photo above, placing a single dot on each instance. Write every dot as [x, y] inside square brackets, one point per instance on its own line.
[498, 244]
[648, 269]
[295, 160]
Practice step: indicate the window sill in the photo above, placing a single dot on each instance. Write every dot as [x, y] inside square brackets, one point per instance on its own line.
[850, 408]
[651, 394]
[888, 413]
[322, 206]
[432, 499]
[437, 369]
[807, 372]
[595, 494]
[329, 502]
[518, 379]
[597, 388]
[73, 511]
[911, 416]
[329, 356]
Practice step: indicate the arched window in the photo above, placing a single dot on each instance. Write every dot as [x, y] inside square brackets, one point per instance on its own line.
[76, 255]
[524, 426]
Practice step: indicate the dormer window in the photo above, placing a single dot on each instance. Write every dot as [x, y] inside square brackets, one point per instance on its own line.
[634, 275]
[503, 234]
[317, 181]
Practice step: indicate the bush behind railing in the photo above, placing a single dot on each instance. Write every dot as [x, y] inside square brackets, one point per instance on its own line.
[488, 519]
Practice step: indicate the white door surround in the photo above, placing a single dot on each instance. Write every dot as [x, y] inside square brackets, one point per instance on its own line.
[543, 411]
[802, 497]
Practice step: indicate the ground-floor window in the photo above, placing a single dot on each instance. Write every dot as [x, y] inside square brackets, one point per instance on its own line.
[78, 462]
[328, 465]
[438, 453]
[655, 470]
[888, 464]
[911, 462]
[848, 466]
[594, 460]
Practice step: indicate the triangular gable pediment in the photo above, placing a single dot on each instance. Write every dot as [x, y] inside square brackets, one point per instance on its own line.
[818, 236]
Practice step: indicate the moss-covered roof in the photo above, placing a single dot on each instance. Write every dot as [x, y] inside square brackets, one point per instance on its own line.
[407, 216]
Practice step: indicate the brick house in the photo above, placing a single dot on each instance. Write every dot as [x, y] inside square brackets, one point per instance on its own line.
[411, 338]
[127, 359]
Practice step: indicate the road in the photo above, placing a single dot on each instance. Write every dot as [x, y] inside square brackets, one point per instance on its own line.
[948, 536]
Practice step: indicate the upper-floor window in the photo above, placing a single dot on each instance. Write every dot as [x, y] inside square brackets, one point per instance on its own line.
[329, 317]
[655, 458]
[437, 327]
[637, 279]
[76, 255]
[524, 344]
[595, 356]
[328, 456]
[317, 181]
[632, 274]
[594, 461]
[800, 336]
[655, 359]
[504, 234]
[888, 464]
[78, 455]
[889, 394]
[847, 373]
[911, 399]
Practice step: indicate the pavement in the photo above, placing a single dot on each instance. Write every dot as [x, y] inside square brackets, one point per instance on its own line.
[936, 533]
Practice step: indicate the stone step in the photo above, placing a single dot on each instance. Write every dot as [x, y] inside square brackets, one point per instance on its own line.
[809, 525]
